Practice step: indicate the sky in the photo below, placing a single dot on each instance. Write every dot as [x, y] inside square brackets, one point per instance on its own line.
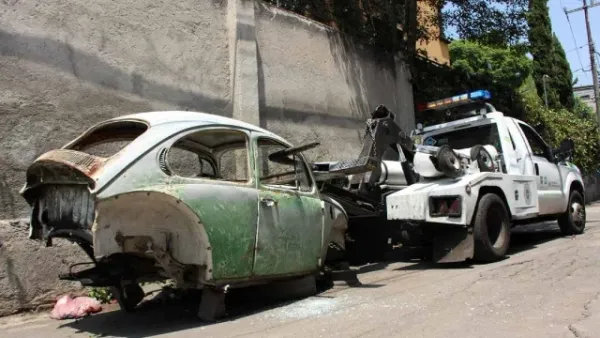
[575, 44]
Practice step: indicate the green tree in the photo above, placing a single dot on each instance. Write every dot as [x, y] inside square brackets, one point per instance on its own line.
[549, 58]
[371, 22]
[500, 70]
[563, 77]
[497, 23]
[556, 125]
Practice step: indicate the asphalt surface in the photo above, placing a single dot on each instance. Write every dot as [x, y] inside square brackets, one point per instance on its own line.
[548, 287]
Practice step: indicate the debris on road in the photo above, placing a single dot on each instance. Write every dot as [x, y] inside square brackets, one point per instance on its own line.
[73, 308]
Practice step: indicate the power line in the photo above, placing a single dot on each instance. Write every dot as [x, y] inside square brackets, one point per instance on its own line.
[577, 48]
[592, 48]
[575, 41]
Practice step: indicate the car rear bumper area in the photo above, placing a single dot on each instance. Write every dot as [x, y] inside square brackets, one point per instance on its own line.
[66, 210]
[58, 189]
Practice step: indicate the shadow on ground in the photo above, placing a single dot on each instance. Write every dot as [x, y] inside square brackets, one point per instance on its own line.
[168, 315]
[522, 239]
[531, 236]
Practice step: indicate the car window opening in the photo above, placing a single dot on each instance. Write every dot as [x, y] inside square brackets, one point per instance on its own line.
[291, 173]
[109, 139]
[211, 154]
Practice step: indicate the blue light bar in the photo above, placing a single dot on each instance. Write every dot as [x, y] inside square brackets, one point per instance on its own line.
[479, 95]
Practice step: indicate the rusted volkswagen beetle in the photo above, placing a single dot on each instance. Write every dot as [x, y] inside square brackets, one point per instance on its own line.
[206, 201]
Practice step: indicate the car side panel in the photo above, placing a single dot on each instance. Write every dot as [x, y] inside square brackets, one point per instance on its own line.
[229, 214]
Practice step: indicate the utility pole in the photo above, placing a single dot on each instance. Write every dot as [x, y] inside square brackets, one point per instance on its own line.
[592, 50]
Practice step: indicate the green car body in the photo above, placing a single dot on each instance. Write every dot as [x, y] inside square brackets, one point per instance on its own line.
[238, 221]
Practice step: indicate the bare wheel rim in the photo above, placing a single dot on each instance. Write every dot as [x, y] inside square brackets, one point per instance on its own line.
[495, 226]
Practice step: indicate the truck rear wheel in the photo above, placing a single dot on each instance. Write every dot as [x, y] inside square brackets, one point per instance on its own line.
[491, 229]
[572, 222]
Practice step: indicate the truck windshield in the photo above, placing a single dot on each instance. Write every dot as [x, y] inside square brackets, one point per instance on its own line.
[466, 138]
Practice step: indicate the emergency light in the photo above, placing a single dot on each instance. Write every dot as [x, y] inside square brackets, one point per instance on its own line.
[479, 95]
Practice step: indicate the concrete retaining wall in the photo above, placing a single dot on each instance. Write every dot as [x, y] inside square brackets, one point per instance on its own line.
[346, 83]
[68, 64]
[28, 271]
[592, 188]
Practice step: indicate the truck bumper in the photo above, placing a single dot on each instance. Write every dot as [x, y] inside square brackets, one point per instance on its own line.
[417, 207]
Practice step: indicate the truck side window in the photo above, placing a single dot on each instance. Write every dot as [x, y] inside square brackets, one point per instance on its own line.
[538, 146]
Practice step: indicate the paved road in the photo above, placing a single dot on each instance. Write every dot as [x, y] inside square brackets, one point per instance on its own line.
[549, 287]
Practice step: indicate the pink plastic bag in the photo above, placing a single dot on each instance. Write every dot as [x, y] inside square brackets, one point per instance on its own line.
[72, 308]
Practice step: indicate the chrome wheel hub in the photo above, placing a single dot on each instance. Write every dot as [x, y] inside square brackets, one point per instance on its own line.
[577, 213]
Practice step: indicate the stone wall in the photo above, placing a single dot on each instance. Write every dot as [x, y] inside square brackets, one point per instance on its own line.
[28, 271]
[68, 64]
[346, 83]
[592, 187]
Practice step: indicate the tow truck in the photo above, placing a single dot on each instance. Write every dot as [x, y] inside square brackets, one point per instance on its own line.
[480, 174]
[457, 187]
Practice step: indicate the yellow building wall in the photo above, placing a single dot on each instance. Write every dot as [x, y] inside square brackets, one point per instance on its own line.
[434, 49]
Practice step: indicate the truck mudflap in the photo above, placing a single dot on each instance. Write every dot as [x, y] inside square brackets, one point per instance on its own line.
[453, 244]
[58, 191]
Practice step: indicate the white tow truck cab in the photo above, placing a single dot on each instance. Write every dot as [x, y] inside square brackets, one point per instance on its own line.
[482, 173]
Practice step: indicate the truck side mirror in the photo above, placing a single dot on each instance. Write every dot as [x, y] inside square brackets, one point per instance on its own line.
[566, 150]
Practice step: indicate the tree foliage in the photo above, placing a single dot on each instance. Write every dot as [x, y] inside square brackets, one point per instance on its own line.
[498, 23]
[549, 58]
[556, 125]
[372, 22]
[500, 70]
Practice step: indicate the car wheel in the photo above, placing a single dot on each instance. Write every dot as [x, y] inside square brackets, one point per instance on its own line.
[491, 229]
[572, 222]
[128, 296]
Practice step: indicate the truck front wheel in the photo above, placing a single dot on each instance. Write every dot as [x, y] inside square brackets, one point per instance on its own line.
[491, 229]
[572, 222]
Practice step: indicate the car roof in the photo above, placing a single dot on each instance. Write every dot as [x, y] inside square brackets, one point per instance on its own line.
[175, 116]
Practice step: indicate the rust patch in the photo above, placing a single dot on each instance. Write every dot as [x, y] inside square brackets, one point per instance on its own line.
[87, 164]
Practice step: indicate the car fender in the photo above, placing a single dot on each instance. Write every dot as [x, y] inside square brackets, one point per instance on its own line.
[335, 224]
[146, 221]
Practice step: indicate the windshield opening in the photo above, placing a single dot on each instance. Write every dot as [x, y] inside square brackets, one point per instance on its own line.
[109, 139]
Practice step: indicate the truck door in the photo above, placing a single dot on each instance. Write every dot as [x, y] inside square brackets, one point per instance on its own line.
[550, 190]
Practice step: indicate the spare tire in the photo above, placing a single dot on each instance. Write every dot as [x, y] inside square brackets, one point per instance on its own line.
[448, 162]
[483, 158]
